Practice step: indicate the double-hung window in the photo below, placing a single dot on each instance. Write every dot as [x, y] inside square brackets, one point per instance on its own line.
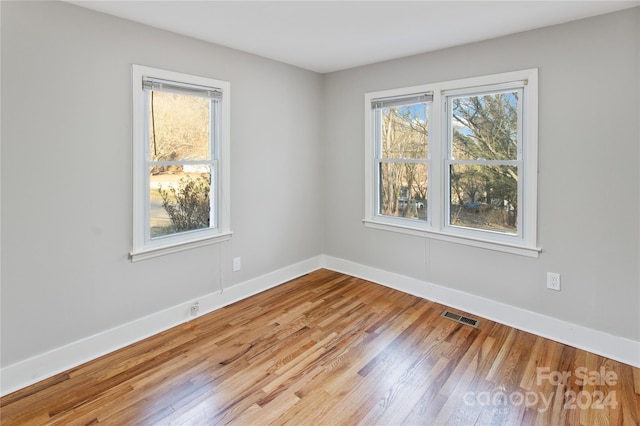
[400, 126]
[456, 161]
[181, 161]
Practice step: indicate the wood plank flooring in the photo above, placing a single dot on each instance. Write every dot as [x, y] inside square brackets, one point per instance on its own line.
[330, 349]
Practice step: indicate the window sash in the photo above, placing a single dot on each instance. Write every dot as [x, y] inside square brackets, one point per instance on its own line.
[497, 89]
[212, 162]
[378, 201]
[377, 105]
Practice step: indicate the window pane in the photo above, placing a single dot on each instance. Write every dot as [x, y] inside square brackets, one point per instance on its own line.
[178, 127]
[484, 197]
[485, 127]
[404, 131]
[179, 199]
[403, 190]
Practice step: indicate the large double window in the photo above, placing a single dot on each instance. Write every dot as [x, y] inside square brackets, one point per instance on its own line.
[456, 161]
[180, 161]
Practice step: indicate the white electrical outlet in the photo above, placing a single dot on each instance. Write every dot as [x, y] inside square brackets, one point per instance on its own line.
[194, 309]
[553, 281]
[236, 264]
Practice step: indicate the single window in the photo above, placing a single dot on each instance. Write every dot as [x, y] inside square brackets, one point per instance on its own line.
[484, 164]
[180, 152]
[456, 161]
[402, 156]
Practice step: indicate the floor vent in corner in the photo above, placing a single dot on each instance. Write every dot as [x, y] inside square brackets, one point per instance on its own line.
[461, 319]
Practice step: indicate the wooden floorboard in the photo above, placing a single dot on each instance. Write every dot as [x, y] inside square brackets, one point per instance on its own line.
[331, 349]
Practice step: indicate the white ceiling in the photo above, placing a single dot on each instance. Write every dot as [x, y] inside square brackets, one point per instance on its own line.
[325, 36]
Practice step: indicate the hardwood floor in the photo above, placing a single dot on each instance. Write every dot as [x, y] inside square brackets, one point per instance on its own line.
[331, 349]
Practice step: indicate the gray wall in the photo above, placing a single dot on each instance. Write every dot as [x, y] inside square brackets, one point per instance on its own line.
[588, 186]
[66, 174]
[297, 174]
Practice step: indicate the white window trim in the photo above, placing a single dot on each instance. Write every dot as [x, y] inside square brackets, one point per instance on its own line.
[144, 247]
[436, 226]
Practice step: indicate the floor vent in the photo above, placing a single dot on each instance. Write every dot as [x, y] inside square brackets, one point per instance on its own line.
[461, 319]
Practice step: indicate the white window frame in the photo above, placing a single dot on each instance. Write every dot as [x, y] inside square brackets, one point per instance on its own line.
[145, 247]
[437, 227]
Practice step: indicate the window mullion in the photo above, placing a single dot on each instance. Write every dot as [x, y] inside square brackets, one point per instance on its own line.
[437, 152]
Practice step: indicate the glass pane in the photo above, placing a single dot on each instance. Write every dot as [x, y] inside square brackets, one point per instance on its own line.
[179, 199]
[485, 127]
[403, 190]
[405, 131]
[178, 127]
[484, 197]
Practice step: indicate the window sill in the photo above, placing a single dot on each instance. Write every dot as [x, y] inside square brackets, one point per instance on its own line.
[533, 252]
[150, 253]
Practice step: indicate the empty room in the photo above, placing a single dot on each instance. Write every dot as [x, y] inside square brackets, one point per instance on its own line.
[320, 212]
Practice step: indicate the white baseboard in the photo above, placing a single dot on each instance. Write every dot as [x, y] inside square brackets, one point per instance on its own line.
[40, 367]
[597, 342]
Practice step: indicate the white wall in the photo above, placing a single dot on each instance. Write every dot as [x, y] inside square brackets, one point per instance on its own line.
[66, 174]
[297, 177]
[588, 216]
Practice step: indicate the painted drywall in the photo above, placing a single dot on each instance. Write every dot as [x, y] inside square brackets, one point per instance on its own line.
[297, 175]
[588, 183]
[66, 174]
